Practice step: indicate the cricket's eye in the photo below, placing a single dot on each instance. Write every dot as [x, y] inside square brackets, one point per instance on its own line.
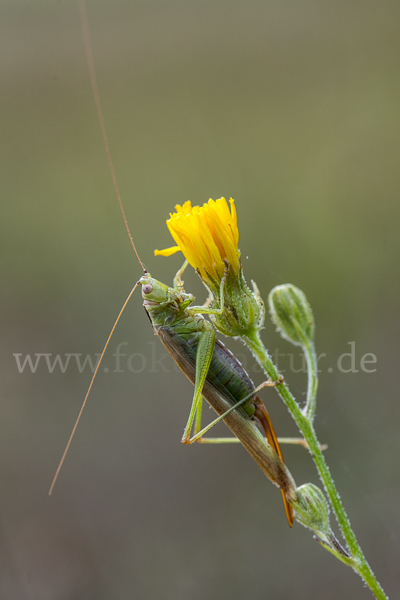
[147, 289]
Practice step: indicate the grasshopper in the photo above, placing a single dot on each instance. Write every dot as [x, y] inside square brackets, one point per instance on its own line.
[217, 375]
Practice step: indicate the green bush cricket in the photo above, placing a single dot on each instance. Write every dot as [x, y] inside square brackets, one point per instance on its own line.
[191, 341]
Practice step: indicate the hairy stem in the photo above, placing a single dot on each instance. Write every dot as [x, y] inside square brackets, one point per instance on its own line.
[312, 369]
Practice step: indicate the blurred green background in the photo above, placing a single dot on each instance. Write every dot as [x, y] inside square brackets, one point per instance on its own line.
[291, 108]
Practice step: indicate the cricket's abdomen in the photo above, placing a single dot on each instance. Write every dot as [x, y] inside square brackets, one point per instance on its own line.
[226, 372]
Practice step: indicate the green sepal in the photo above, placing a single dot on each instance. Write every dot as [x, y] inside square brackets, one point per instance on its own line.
[244, 310]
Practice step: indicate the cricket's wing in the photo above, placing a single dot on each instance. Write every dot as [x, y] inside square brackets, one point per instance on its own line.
[239, 423]
[266, 423]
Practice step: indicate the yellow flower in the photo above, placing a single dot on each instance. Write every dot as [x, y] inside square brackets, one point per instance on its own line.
[206, 235]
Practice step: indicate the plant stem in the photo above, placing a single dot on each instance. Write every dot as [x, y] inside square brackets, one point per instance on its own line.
[304, 423]
[312, 369]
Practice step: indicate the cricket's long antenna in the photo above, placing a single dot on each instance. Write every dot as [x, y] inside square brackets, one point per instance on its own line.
[93, 81]
[88, 392]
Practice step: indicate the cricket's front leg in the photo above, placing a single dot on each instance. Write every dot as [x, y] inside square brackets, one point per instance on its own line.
[208, 301]
[205, 350]
[178, 283]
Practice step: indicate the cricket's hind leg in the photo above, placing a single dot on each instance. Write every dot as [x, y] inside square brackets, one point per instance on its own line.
[234, 440]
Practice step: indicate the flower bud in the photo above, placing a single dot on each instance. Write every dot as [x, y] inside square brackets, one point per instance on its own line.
[291, 313]
[312, 511]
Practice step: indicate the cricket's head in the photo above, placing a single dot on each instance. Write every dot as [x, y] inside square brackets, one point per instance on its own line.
[163, 304]
[154, 292]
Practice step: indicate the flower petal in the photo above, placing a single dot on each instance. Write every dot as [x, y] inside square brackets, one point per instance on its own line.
[207, 235]
[167, 251]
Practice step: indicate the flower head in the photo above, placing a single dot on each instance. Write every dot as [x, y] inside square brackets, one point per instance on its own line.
[207, 235]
